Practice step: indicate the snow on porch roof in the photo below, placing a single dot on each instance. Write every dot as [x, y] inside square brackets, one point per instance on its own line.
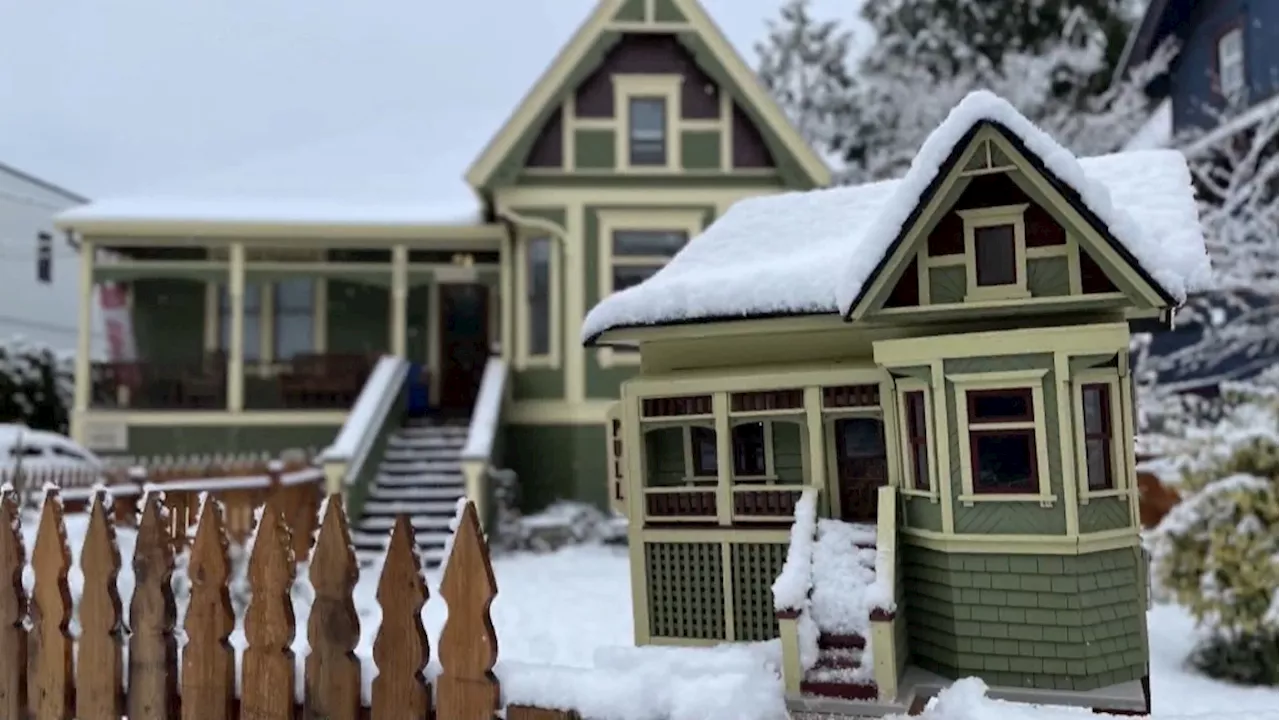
[813, 252]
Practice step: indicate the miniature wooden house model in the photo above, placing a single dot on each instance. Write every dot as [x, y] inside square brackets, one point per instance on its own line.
[893, 424]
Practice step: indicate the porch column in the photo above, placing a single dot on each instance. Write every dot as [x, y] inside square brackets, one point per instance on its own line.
[235, 353]
[84, 340]
[399, 299]
[724, 459]
[816, 448]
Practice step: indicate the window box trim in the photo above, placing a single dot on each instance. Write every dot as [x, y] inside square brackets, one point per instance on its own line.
[688, 220]
[1010, 380]
[523, 357]
[906, 485]
[1119, 470]
[992, 217]
[665, 87]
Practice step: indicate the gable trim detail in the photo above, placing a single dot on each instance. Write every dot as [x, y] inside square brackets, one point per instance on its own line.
[544, 91]
[941, 191]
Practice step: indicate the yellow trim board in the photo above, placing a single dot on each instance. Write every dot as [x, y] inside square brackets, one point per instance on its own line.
[143, 231]
[572, 53]
[1074, 339]
[1022, 544]
[557, 412]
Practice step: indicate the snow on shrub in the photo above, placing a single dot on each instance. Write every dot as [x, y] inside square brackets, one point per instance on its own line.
[36, 386]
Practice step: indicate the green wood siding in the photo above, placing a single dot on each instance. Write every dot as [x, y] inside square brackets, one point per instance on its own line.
[1045, 622]
[222, 439]
[664, 457]
[947, 284]
[1013, 518]
[1104, 514]
[358, 318]
[1048, 277]
[558, 462]
[788, 452]
[594, 150]
[922, 513]
[632, 11]
[700, 150]
[168, 319]
[537, 384]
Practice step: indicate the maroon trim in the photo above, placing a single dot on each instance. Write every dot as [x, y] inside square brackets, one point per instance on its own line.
[787, 614]
[844, 691]
[882, 615]
[1033, 483]
[849, 641]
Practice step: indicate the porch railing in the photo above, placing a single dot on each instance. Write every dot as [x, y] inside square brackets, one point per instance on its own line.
[328, 381]
[198, 384]
[483, 451]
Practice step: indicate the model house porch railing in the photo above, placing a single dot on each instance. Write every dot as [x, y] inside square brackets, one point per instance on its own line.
[351, 461]
[753, 503]
[483, 451]
[319, 381]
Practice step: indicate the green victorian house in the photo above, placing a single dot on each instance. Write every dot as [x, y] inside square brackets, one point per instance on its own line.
[893, 424]
[252, 318]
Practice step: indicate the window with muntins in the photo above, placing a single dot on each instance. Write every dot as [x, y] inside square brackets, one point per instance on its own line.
[1096, 405]
[252, 321]
[1002, 441]
[749, 450]
[917, 438]
[1231, 75]
[294, 313]
[638, 254]
[538, 295]
[996, 255]
[647, 134]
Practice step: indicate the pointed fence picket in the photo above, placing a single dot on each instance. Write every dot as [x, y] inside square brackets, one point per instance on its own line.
[38, 680]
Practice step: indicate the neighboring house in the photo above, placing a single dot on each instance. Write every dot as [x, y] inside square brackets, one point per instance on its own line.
[1226, 54]
[941, 364]
[258, 304]
[39, 264]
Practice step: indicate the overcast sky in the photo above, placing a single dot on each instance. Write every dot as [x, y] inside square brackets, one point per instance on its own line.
[111, 97]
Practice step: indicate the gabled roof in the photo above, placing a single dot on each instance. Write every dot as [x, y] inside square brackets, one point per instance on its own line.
[44, 184]
[815, 252]
[550, 84]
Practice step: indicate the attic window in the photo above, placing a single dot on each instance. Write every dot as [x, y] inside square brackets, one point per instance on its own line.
[996, 246]
[647, 133]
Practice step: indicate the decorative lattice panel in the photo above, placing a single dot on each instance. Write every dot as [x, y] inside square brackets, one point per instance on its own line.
[755, 567]
[686, 590]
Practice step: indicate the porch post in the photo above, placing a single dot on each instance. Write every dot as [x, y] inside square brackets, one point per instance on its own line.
[399, 299]
[84, 344]
[235, 353]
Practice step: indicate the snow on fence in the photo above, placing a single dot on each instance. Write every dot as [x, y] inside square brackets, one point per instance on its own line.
[129, 664]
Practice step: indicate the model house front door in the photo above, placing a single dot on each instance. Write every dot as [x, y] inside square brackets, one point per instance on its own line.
[861, 466]
[464, 344]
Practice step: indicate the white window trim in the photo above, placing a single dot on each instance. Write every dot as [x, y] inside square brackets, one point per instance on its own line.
[666, 87]
[1229, 56]
[1012, 380]
[1119, 485]
[991, 217]
[524, 359]
[687, 220]
[907, 486]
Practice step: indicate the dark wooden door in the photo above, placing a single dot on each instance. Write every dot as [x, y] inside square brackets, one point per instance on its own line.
[464, 344]
[861, 466]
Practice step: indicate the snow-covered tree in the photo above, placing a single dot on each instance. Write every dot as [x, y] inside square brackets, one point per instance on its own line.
[804, 63]
[36, 386]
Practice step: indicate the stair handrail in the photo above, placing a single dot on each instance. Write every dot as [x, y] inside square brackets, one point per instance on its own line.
[345, 458]
[477, 454]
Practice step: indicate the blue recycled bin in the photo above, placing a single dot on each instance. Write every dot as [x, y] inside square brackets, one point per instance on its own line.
[418, 401]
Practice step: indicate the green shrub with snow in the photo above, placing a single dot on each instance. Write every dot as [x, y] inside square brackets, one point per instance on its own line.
[36, 386]
[1217, 551]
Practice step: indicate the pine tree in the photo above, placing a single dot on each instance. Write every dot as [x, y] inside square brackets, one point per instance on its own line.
[804, 63]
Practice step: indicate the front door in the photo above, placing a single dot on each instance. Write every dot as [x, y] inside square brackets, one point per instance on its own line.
[464, 344]
[861, 466]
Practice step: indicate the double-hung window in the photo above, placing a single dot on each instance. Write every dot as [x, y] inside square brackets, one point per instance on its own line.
[1230, 58]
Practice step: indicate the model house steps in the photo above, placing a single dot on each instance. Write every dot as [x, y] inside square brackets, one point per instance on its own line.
[419, 475]
[843, 667]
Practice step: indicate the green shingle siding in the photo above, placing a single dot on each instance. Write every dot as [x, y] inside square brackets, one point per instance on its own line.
[1066, 622]
[700, 150]
[1047, 277]
[594, 150]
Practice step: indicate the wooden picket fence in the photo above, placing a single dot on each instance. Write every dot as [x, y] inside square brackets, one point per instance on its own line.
[38, 679]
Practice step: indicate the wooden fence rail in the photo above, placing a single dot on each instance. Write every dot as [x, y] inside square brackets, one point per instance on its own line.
[38, 680]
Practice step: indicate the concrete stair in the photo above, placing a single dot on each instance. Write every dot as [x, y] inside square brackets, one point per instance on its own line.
[419, 475]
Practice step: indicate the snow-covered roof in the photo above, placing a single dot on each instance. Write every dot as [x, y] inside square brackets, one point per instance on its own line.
[814, 252]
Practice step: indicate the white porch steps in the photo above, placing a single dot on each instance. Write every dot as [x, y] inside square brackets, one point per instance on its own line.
[419, 475]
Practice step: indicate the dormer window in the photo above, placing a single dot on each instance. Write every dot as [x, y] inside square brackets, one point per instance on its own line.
[996, 245]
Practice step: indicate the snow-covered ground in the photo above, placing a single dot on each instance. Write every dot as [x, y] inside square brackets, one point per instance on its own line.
[563, 622]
